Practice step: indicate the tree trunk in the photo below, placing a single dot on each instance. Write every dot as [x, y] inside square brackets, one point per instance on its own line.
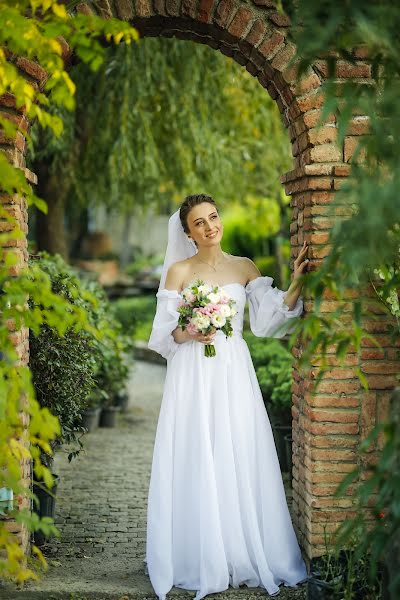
[50, 228]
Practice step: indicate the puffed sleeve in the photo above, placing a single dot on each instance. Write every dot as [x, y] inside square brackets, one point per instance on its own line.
[165, 320]
[267, 310]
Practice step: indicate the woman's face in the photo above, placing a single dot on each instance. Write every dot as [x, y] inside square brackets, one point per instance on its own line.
[205, 226]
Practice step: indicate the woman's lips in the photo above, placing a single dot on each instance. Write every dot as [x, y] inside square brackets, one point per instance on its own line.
[212, 234]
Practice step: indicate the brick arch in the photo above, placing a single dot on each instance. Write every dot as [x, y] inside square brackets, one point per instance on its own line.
[328, 426]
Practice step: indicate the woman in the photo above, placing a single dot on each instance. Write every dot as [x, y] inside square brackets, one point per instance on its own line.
[217, 512]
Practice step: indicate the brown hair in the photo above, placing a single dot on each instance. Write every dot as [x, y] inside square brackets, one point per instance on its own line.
[188, 204]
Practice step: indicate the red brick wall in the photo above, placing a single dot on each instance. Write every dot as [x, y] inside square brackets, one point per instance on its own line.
[328, 426]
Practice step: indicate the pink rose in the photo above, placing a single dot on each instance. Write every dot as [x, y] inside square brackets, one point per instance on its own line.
[191, 327]
[213, 307]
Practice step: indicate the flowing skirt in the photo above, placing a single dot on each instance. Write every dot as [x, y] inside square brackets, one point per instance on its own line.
[217, 511]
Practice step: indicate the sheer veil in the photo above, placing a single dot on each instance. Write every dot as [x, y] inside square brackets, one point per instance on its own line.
[179, 246]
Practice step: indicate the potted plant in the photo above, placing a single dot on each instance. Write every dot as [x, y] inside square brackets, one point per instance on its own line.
[111, 377]
[122, 400]
[337, 575]
[63, 373]
[114, 357]
[91, 414]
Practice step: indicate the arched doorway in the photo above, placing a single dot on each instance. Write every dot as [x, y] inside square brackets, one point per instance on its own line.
[328, 426]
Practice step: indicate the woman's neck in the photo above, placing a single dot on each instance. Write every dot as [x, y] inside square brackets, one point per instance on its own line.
[212, 254]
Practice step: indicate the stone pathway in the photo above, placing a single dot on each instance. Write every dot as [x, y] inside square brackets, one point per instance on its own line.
[101, 511]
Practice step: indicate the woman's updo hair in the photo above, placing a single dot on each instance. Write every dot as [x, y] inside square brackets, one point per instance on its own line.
[188, 204]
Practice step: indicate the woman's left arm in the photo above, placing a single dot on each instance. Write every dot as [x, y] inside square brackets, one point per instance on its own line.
[294, 289]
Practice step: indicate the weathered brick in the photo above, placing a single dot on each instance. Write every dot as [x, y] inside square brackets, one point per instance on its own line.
[283, 57]
[33, 69]
[279, 19]
[224, 12]
[173, 7]
[331, 415]
[270, 46]
[206, 8]
[313, 99]
[345, 69]
[324, 152]
[266, 3]
[350, 145]
[256, 33]
[189, 8]
[142, 9]
[240, 23]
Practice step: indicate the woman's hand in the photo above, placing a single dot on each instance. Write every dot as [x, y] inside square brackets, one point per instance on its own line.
[205, 338]
[301, 262]
[181, 336]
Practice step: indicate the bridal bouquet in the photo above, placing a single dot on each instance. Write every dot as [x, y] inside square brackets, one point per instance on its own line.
[205, 307]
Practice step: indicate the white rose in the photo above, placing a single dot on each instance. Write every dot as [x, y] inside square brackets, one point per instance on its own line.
[215, 298]
[225, 310]
[201, 321]
[218, 320]
[204, 289]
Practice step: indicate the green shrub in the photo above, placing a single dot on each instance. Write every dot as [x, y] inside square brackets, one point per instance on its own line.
[114, 355]
[63, 367]
[136, 314]
[74, 371]
[273, 364]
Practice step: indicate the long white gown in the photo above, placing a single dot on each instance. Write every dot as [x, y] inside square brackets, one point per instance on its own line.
[217, 513]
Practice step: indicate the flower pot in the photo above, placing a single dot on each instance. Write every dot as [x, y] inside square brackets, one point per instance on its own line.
[279, 432]
[122, 400]
[317, 589]
[47, 505]
[288, 446]
[108, 416]
[90, 418]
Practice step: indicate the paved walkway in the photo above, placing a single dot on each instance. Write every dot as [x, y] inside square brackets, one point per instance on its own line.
[101, 511]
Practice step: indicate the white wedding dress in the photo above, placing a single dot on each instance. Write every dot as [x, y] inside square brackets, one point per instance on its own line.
[217, 513]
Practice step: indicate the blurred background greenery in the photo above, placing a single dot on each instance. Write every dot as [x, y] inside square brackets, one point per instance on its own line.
[158, 121]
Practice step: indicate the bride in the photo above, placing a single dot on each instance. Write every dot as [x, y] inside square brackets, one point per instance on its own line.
[217, 513]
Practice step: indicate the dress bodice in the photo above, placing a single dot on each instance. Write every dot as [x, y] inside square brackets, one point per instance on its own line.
[269, 314]
[238, 292]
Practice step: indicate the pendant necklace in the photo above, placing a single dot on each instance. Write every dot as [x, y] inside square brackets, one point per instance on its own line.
[212, 266]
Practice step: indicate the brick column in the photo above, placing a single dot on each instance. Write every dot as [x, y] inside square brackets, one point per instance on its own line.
[329, 425]
[16, 206]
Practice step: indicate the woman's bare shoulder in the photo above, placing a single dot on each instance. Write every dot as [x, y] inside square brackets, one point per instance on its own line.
[248, 266]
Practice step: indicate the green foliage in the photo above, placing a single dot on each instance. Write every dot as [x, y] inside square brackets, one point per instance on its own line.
[64, 367]
[143, 262]
[346, 573]
[164, 97]
[273, 364]
[36, 38]
[247, 226]
[366, 244]
[135, 313]
[113, 354]
[378, 493]
[70, 372]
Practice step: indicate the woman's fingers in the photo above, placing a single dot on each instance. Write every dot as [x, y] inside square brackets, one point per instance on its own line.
[302, 254]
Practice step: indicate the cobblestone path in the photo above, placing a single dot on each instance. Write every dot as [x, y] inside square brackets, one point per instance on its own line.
[101, 511]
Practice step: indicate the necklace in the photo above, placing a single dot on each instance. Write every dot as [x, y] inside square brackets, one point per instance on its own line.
[212, 266]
